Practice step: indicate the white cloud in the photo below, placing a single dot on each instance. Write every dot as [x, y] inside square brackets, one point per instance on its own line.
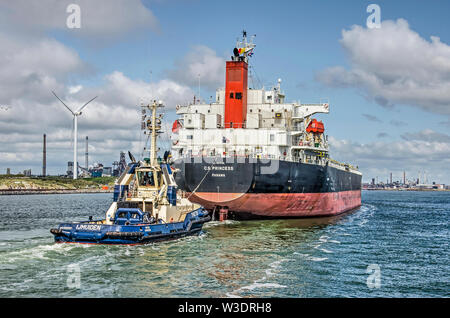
[75, 89]
[33, 64]
[120, 89]
[425, 150]
[31, 68]
[372, 118]
[112, 122]
[427, 135]
[200, 60]
[394, 64]
[100, 19]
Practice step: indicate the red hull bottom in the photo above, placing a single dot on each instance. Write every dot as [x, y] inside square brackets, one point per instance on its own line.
[272, 205]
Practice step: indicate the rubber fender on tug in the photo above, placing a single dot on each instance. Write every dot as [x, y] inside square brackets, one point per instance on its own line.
[124, 234]
[202, 220]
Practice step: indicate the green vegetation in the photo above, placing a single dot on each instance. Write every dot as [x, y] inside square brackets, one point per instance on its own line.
[50, 182]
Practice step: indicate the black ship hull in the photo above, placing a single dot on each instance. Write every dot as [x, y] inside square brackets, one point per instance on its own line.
[250, 188]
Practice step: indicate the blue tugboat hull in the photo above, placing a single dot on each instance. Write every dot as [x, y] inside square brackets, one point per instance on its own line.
[94, 232]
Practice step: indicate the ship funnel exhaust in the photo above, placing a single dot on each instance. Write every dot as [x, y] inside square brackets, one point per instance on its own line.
[236, 94]
[236, 84]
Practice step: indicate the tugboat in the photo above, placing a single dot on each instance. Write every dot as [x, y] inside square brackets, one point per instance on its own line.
[145, 206]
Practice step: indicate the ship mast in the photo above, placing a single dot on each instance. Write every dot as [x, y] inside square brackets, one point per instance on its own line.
[244, 48]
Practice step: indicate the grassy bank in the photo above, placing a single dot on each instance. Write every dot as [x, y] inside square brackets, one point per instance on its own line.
[54, 183]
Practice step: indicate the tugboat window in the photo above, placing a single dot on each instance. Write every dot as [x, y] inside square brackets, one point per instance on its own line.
[146, 179]
[231, 95]
[238, 95]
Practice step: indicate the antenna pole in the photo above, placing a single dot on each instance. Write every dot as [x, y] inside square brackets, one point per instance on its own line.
[151, 83]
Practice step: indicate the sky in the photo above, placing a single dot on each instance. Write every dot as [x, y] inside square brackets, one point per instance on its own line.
[388, 87]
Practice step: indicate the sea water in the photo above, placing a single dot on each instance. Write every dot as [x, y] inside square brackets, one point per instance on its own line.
[395, 245]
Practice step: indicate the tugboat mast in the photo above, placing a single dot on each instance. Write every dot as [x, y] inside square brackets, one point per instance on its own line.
[153, 147]
[154, 126]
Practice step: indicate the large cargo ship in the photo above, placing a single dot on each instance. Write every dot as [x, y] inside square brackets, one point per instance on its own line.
[250, 154]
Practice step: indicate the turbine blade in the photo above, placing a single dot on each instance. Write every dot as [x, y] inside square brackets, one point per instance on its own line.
[79, 110]
[63, 103]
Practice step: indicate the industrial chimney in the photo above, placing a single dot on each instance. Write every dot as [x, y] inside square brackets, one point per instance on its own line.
[86, 163]
[44, 157]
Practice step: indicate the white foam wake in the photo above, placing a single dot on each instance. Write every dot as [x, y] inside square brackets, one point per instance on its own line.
[260, 283]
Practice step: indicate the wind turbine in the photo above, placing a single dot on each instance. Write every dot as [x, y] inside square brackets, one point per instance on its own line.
[75, 125]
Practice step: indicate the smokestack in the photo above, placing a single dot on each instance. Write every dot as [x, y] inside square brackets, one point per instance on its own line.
[404, 177]
[87, 155]
[236, 94]
[44, 157]
[391, 178]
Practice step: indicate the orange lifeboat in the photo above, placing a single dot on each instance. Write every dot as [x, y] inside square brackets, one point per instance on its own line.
[315, 127]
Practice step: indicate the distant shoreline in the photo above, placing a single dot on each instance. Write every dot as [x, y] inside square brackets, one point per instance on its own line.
[18, 185]
[51, 191]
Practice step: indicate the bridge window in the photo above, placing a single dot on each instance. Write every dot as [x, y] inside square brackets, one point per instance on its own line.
[146, 178]
[122, 215]
[238, 95]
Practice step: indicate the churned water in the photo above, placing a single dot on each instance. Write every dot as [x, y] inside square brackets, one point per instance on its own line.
[395, 245]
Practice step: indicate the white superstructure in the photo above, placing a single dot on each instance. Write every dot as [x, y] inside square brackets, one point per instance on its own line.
[273, 129]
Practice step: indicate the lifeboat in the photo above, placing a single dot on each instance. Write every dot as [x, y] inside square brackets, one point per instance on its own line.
[316, 127]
